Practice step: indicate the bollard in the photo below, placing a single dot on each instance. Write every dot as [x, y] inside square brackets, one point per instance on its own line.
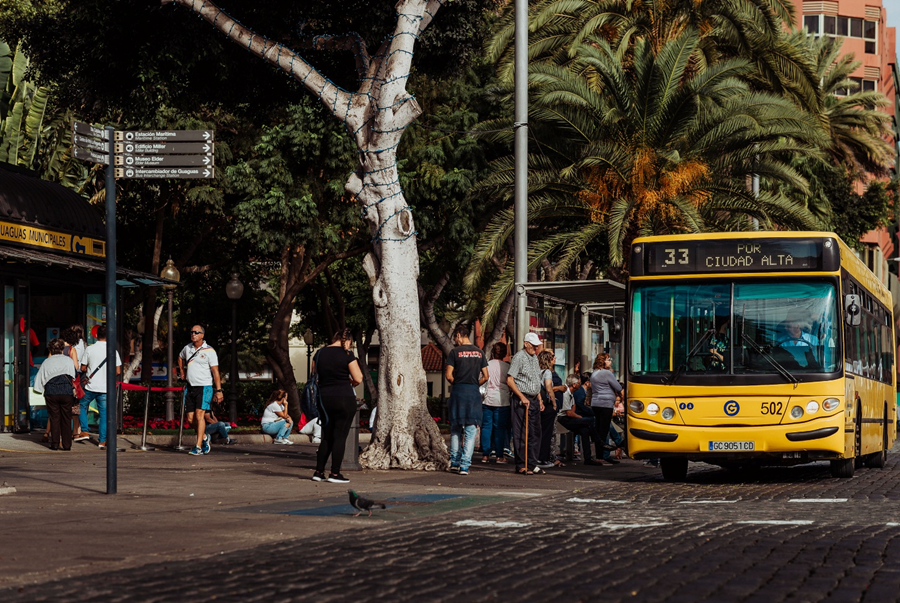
[144, 446]
[351, 450]
[181, 424]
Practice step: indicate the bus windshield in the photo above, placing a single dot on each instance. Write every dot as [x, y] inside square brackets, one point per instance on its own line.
[711, 329]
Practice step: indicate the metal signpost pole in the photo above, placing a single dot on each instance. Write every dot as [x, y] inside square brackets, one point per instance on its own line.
[111, 330]
[521, 166]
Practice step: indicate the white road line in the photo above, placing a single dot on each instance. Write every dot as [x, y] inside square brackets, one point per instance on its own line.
[706, 502]
[818, 500]
[892, 524]
[779, 522]
[597, 500]
[520, 493]
[630, 526]
[472, 523]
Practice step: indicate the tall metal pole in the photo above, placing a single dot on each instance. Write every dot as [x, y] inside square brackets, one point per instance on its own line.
[112, 336]
[232, 409]
[170, 396]
[521, 164]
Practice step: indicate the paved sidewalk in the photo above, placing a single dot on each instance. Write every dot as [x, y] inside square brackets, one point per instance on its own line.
[60, 523]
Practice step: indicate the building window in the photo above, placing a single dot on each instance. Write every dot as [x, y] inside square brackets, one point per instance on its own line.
[848, 27]
[811, 23]
[869, 85]
[859, 84]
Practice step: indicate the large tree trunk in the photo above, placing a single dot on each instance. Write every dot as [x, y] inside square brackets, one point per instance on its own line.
[377, 115]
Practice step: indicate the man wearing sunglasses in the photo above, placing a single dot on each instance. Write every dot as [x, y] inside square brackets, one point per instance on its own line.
[202, 374]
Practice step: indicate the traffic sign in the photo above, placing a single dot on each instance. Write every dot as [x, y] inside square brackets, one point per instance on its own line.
[89, 130]
[164, 135]
[174, 172]
[163, 160]
[90, 143]
[156, 148]
[89, 155]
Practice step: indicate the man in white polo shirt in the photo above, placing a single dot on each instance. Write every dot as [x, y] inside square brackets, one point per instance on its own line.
[93, 363]
[201, 372]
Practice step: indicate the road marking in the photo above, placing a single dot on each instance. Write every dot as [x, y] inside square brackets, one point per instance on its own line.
[818, 500]
[779, 522]
[630, 526]
[892, 524]
[472, 523]
[706, 502]
[597, 500]
[520, 493]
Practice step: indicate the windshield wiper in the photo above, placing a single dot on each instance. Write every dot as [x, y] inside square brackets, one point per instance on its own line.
[784, 372]
[670, 379]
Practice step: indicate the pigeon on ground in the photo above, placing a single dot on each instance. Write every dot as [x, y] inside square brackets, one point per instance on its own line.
[363, 504]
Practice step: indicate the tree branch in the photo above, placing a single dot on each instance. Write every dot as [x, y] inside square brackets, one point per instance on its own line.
[335, 99]
[426, 303]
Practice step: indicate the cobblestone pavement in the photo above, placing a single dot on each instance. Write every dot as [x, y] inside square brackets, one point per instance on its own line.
[782, 534]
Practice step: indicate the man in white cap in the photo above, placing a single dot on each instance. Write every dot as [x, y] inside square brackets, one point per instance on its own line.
[524, 381]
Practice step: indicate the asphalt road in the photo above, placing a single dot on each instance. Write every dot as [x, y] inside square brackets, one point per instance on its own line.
[578, 534]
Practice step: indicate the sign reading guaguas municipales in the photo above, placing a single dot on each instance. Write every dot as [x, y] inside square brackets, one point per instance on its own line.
[33, 236]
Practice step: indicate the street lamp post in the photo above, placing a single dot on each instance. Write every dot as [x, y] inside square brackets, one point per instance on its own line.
[170, 272]
[308, 340]
[234, 289]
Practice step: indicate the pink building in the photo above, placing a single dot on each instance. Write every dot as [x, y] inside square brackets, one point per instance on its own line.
[863, 25]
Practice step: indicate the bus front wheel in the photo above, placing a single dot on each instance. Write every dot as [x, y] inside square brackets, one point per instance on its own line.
[843, 467]
[674, 469]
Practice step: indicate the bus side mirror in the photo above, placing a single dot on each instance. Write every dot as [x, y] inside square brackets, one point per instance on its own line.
[852, 310]
[615, 329]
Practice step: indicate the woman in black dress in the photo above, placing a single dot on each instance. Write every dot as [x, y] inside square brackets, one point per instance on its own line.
[338, 372]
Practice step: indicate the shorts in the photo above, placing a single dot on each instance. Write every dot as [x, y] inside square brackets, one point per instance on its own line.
[198, 397]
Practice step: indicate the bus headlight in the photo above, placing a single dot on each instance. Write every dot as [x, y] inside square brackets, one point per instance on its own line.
[668, 413]
[652, 408]
[796, 412]
[812, 407]
[830, 404]
[636, 406]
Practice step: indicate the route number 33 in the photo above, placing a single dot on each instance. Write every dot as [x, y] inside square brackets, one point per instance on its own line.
[675, 255]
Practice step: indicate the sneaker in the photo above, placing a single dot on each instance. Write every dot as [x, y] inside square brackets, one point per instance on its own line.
[102, 445]
[464, 472]
[337, 478]
[205, 447]
[230, 441]
[287, 441]
[546, 465]
[196, 451]
[453, 469]
[318, 476]
[81, 436]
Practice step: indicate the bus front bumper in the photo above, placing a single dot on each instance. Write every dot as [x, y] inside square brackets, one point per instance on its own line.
[821, 438]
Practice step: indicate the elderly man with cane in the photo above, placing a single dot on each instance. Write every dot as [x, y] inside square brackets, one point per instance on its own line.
[524, 381]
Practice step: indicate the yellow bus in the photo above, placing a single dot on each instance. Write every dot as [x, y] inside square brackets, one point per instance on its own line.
[758, 348]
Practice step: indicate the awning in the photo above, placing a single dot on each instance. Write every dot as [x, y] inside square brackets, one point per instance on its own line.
[125, 277]
[599, 294]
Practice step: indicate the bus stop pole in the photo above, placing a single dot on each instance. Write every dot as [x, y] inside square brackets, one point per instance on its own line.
[520, 236]
[111, 330]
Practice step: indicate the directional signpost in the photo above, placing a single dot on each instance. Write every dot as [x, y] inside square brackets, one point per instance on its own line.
[135, 154]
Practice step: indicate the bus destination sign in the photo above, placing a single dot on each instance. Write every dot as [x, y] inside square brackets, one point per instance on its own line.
[734, 255]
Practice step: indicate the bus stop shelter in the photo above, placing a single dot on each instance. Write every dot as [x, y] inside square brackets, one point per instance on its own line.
[582, 318]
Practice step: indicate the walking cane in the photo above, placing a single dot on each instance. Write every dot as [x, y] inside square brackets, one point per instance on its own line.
[526, 438]
[181, 424]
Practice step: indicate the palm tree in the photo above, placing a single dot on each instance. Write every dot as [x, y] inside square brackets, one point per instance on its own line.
[658, 146]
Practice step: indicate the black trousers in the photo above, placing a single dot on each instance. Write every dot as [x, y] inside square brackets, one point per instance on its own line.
[59, 412]
[586, 427]
[548, 416]
[603, 417]
[518, 430]
[341, 412]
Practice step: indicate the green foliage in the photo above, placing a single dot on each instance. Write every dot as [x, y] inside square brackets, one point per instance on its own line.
[853, 214]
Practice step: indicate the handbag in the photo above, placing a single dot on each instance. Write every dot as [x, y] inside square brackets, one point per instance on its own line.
[79, 389]
[311, 400]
